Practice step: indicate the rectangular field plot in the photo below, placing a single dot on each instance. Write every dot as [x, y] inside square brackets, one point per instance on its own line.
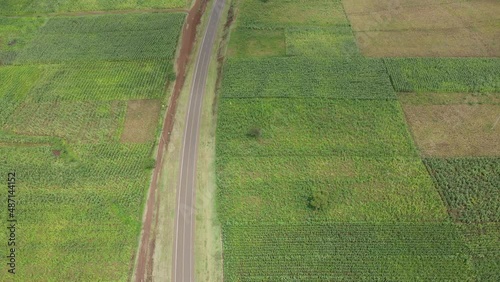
[445, 74]
[483, 241]
[78, 210]
[355, 189]
[470, 186]
[312, 127]
[102, 81]
[321, 42]
[451, 28]
[15, 33]
[306, 77]
[345, 252]
[85, 122]
[28, 7]
[15, 84]
[455, 130]
[258, 13]
[248, 42]
[105, 37]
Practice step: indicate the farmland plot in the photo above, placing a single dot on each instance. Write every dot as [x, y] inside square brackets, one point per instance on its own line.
[104, 37]
[28, 7]
[344, 252]
[305, 77]
[405, 28]
[445, 74]
[101, 80]
[64, 100]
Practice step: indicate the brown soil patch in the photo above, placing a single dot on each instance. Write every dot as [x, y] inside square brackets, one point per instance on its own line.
[141, 121]
[455, 130]
[444, 28]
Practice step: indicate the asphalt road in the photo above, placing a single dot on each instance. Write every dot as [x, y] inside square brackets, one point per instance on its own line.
[183, 260]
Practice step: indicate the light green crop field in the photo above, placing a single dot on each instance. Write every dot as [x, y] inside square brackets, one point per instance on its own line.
[344, 252]
[317, 127]
[104, 37]
[477, 75]
[80, 188]
[76, 212]
[318, 176]
[305, 77]
[101, 80]
[15, 33]
[29, 7]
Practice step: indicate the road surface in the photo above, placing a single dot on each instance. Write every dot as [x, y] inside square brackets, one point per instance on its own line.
[183, 260]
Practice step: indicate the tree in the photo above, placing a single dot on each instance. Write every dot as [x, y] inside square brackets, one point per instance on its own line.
[319, 200]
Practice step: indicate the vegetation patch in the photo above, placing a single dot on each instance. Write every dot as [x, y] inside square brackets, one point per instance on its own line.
[483, 241]
[350, 252]
[306, 77]
[29, 7]
[105, 37]
[445, 74]
[16, 82]
[93, 201]
[248, 42]
[15, 33]
[272, 13]
[79, 122]
[470, 187]
[100, 80]
[321, 42]
[312, 127]
[281, 189]
[141, 121]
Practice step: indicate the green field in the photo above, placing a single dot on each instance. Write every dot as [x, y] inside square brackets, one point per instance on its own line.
[477, 75]
[470, 187]
[318, 176]
[345, 252]
[104, 37]
[101, 80]
[28, 7]
[64, 94]
[304, 77]
[312, 127]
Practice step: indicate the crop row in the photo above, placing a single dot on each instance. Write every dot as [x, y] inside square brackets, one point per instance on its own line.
[477, 75]
[305, 77]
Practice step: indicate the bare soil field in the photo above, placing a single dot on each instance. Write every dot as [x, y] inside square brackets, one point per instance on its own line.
[444, 28]
[141, 121]
[455, 130]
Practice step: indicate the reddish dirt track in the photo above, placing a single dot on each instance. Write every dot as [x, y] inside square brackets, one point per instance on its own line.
[146, 248]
